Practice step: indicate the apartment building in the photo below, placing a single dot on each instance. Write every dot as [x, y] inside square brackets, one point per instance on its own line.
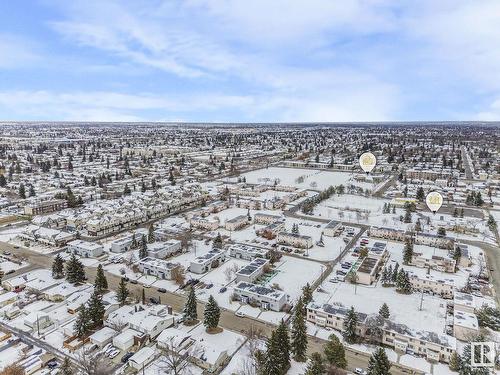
[398, 336]
[428, 174]
[387, 233]
[47, 236]
[237, 222]
[161, 250]
[432, 284]
[209, 223]
[266, 219]
[247, 252]
[205, 263]
[368, 270]
[158, 267]
[123, 244]
[465, 325]
[41, 207]
[426, 259]
[252, 271]
[85, 249]
[261, 296]
[295, 240]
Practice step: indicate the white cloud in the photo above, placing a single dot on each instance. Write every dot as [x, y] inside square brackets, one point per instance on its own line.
[16, 52]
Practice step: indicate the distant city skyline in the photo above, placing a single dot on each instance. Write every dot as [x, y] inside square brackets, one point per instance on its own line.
[223, 61]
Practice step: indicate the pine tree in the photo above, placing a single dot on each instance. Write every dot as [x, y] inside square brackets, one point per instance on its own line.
[307, 294]
[418, 226]
[101, 283]
[75, 272]
[190, 313]
[420, 194]
[335, 352]
[143, 251]
[408, 252]
[32, 191]
[82, 323]
[122, 293]
[378, 363]
[67, 367]
[218, 242]
[350, 323]
[315, 366]
[22, 191]
[151, 234]
[211, 314]
[58, 267]
[96, 309]
[284, 345]
[272, 361]
[384, 311]
[3, 180]
[299, 333]
[385, 277]
[465, 362]
[407, 217]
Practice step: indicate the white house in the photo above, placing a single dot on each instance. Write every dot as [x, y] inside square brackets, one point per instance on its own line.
[103, 336]
[85, 249]
[142, 358]
[267, 298]
[252, 271]
[205, 263]
[158, 267]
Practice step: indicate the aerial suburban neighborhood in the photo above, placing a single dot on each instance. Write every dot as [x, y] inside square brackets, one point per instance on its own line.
[208, 248]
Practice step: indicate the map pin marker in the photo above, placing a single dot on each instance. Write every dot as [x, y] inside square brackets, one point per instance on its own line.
[367, 162]
[434, 201]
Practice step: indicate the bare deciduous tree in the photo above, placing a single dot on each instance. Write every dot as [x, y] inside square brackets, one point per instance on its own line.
[94, 365]
[177, 363]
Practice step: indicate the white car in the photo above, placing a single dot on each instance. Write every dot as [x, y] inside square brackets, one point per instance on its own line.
[109, 350]
[113, 353]
[360, 371]
[107, 347]
[239, 314]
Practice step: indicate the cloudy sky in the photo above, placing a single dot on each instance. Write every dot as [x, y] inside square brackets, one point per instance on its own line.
[259, 60]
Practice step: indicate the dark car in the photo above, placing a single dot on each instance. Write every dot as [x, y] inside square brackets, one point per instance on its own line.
[126, 357]
[154, 301]
[162, 290]
[126, 278]
[222, 290]
[209, 286]
[134, 282]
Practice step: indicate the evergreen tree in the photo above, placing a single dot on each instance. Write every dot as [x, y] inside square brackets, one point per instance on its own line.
[385, 277]
[284, 345]
[122, 293]
[151, 234]
[67, 367]
[82, 324]
[101, 283]
[384, 311]
[295, 228]
[126, 190]
[315, 366]
[143, 296]
[272, 361]
[492, 224]
[58, 267]
[75, 272]
[299, 333]
[420, 194]
[211, 314]
[32, 191]
[143, 251]
[95, 309]
[408, 252]
[378, 363]
[218, 243]
[190, 313]
[22, 191]
[441, 232]
[350, 324]
[403, 284]
[3, 180]
[307, 294]
[335, 352]
[418, 226]
[407, 217]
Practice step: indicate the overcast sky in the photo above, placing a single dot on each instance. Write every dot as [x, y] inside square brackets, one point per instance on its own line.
[269, 60]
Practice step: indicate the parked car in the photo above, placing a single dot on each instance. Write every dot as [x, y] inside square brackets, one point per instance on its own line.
[162, 290]
[126, 357]
[239, 314]
[134, 281]
[360, 371]
[154, 301]
[222, 290]
[113, 353]
[209, 286]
